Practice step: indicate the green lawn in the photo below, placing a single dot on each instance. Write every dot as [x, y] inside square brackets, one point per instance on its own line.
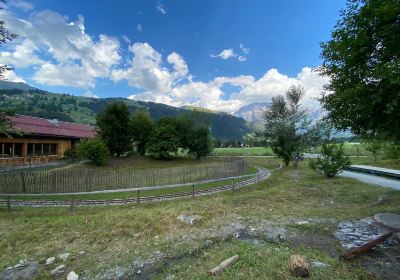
[113, 237]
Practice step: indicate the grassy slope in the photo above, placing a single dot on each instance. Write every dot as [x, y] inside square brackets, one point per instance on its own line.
[117, 235]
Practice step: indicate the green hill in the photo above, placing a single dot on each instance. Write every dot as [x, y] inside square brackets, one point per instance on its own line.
[30, 101]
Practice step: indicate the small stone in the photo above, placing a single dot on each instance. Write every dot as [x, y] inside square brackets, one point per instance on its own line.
[318, 264]
[139, 271]
[383, 199]
[188, 219]
[72, 276]
[81, 253]
[50, 261]
[302, 222]
[58, 270]
[64, 256]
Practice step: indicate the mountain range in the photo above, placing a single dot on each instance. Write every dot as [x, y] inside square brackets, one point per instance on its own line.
[27, 100]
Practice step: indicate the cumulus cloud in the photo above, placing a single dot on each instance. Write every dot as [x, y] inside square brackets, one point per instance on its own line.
[160, 8]
[66, 45]
[90, 94]
[11, 76]
[225, 54]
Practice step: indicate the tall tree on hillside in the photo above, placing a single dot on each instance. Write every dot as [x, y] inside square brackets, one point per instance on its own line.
[141, 128]
[113, 128]
[362, 60]
[287, 130]
[5, 36]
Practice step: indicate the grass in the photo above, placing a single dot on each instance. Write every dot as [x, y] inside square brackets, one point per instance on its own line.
[247, 151]
[386, 163]
[115, 236]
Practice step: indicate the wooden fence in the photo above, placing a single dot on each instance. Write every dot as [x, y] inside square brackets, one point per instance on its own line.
[95, 180]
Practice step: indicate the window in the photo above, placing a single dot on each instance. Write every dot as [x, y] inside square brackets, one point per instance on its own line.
[11, 149]
[53, 149]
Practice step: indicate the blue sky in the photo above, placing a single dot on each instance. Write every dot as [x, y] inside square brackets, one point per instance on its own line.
[215, 54]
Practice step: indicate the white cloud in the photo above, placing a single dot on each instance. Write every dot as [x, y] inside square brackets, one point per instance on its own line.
[21, 4]
[11, 76]
[161, 9]
[126, 39]
[178, 64]
[225, 54]
[139, 28]
[244, 50]
[66, 45]
[242, 58]
[89, 93]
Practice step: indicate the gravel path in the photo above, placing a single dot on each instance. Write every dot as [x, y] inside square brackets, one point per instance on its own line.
[372, 179]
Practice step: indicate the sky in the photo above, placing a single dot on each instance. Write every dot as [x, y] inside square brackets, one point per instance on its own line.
[217, 54]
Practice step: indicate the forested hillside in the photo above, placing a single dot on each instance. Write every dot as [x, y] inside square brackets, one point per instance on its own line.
[79, 109]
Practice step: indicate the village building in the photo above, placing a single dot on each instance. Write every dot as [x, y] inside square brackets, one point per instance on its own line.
[33, 140]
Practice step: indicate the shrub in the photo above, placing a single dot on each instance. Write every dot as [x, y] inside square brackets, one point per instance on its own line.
[70, 154]
[391, 151]
[94, 150]
[332, 161]
[374, 146]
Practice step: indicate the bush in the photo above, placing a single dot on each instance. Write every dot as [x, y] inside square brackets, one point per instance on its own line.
[70, 154]
[391, 151]
[94, 150]
[332, 161]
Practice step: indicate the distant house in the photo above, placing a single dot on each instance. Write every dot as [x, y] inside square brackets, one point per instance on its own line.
[37, 140]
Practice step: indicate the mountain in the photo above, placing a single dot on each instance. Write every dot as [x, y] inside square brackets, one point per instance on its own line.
[12, 85]
[253, 112]
[27, 100]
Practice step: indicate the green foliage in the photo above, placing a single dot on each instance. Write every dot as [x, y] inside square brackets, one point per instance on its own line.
[71, 154]
[113, 128]
[4, 122]
[362, 62]
[333, 160]
[391, 151]
[200, 141]
[165, 141]
[374, 146]
[94, 150]
[287, 130]
[141, 127]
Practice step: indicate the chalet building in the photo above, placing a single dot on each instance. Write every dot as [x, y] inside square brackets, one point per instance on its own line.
[37, 140]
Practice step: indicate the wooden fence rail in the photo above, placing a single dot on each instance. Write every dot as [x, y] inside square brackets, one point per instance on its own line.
[87, 180]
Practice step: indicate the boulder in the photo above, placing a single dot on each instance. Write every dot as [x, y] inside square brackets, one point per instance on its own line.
[388, 220]
[24, 270]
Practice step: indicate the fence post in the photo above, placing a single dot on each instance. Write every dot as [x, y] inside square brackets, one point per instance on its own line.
[233, 184]
[71, 208]
[193, 190]
[8, 203]
[23, 182]
[137, 197]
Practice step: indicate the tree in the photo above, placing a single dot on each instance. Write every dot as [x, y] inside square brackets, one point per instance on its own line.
[362, 61]
[200, 141]
[141, 127]
[165, 141]
[94, 150]
[374, 146]
[5, 36]
[286, 127]
[113, 128]
[332, 160]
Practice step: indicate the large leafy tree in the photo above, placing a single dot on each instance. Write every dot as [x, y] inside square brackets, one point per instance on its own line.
[165, 139]
[287, 130]
[113, 128]
[362, 61]
[141, 128]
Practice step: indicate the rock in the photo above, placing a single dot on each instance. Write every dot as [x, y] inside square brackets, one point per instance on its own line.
[24, 270]
[397, 236]
[59, 270]
[383, 199]
[188, 219]
[72, 276]
[318, 264]
[64, 256]
[389, 220]
[302, 222]
[50, 261]
[81, 253]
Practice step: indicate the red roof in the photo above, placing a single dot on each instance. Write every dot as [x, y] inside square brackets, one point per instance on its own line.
[45, 127]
